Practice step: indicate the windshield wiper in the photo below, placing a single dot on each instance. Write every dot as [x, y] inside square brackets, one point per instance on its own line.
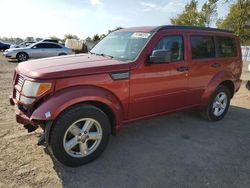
[92, 53]
[104, 55]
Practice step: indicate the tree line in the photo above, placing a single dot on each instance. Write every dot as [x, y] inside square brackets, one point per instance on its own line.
[237, 20]
[94, 38]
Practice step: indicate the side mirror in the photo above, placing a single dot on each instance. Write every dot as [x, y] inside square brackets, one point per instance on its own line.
[160, 56]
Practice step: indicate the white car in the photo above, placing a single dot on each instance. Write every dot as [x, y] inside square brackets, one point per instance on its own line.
[21, 45]
[37, 50]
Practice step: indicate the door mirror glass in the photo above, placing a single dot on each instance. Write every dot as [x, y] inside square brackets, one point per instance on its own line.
[160, 56]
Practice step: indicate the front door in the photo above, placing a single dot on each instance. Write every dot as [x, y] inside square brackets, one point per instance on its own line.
[157, 88]
[39, 51]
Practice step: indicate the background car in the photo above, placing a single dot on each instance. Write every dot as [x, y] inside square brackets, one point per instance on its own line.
[4, 46]
[37, 50]
[21, 45]
[49, 40]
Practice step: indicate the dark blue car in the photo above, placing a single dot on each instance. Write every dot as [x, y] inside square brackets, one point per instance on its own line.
[4, 46]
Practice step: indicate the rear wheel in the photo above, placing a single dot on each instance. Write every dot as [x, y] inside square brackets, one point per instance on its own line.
[79, 135]
[218, 104]
[22, 57]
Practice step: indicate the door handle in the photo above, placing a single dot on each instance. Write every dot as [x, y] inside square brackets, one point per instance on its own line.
[216, 65]
[182, 69]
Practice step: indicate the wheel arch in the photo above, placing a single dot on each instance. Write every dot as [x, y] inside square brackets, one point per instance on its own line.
[102, 106]
[23, 53]
[70, 97]
[222, 78]
[62, 53]
[230, 85]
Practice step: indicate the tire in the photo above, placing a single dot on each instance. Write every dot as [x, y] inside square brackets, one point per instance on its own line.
[62, 54]
[218, 104]
[22, 57]
[70, 133]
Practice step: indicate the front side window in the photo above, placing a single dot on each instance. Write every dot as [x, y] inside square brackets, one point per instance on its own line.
[173, 44]
[122, 45]
[202, 47]
[41, 45]
[226, 47]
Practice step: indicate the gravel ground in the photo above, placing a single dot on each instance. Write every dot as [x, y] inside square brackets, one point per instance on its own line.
[178, 150]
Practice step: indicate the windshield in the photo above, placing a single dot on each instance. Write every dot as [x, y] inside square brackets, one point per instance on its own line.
[122, 45]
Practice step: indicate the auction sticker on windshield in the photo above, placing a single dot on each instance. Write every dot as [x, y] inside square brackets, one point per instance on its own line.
[140, 35]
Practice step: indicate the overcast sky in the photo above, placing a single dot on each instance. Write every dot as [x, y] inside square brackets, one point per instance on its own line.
[44, 18]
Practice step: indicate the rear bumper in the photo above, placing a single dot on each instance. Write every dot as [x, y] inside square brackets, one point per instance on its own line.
[237, 85]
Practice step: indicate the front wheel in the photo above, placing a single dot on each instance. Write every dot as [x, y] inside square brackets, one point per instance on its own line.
[22, 57]
[79, 135]
[218, 104]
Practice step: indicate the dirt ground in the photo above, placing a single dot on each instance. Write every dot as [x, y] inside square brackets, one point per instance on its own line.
[178, 150]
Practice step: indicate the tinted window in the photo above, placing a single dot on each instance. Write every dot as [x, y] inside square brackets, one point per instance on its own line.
[50, 40]
[202, 47]
[47, 45]
[53, 46]
[174, 44]
[226, 47]
[41, 45]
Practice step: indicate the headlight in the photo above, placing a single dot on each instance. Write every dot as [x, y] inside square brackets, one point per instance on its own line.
[34, 89]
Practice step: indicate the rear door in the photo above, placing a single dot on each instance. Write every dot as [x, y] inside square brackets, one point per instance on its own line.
[203, 64]
[227, 54]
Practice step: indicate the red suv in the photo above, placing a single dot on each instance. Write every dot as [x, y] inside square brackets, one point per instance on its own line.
[132, 74]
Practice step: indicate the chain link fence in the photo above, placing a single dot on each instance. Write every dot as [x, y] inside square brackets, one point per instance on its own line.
[245, 53]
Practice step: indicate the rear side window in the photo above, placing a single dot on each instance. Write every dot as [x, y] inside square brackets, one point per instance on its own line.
[202, 47]
[226, 47]
[47, 45]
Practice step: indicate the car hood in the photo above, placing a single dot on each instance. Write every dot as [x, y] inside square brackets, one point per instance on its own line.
[17, 48]
[69, 66]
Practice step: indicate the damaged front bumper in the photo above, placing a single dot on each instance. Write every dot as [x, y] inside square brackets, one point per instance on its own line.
[32, 125]
[21, 117]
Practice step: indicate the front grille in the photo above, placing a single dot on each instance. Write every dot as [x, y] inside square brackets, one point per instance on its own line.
[20, 81]
[17, 95]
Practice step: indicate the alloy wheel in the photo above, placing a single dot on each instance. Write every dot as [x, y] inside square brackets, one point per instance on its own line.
[220, 104]
[82, 137]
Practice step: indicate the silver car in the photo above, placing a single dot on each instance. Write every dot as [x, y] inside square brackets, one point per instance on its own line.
[21, 45]
[37, 50]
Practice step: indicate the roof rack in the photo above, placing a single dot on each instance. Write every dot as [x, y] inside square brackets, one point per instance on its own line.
[163, 27]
